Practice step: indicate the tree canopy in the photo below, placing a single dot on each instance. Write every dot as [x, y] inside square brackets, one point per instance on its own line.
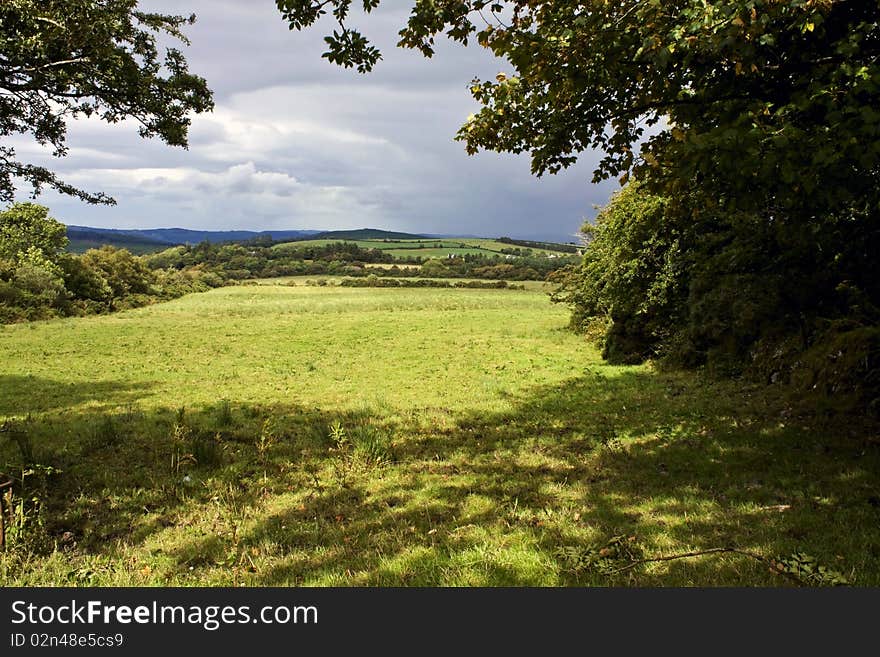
[768, 102]
[27, 226]
[62, 59]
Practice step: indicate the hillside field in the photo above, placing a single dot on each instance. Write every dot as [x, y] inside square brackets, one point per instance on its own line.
[297, 435]
[424, 247]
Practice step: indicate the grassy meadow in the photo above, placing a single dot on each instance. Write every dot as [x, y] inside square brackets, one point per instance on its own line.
[298, 435]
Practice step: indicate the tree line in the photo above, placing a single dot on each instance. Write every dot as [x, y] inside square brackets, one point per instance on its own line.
[251, 260]
[39, 279]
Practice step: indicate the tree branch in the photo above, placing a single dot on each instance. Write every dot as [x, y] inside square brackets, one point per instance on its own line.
[63, 62]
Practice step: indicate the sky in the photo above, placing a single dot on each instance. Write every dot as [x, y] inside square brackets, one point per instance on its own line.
[295, 142]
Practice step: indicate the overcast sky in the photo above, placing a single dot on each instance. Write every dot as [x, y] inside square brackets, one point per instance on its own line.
[298, 143]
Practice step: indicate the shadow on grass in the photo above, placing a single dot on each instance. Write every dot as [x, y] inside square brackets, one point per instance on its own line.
[289, 495]
[20, 395]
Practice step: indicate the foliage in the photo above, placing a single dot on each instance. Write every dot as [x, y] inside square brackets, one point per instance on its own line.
[28, 232]
[38, 280]
[70, 58]
[733, 291]
[810, 571]
[762, 102]
[243, 261]
[375, 281]
[603, 558]
[123, 273]
[529, 244]
[630, 281]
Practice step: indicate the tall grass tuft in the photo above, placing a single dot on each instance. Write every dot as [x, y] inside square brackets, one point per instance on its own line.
[224, 414]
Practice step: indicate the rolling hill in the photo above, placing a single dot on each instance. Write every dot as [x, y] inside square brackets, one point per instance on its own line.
[401, 244]
[83, 238]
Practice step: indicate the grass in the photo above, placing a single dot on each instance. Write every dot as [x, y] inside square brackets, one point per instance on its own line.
[272, 435]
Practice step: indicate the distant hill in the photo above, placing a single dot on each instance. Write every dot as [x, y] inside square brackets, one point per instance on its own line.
[83, 238]
[186, 236]
[362, 234]
[150, 240]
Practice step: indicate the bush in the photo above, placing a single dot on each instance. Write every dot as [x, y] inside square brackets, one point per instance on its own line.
[630, 279]
[694, 284]
[38, 286]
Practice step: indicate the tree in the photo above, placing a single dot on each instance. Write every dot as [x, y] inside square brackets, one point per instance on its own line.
[27, 228]
[62, 59]
[771, 104]
[628, 291]
[124, 273]
[31, 251]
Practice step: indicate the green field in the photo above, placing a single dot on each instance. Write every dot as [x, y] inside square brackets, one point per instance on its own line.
[274, 435]
[423, 248]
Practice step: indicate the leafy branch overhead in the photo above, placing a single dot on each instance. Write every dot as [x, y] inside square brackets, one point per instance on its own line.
[84, 58]
[766, 101]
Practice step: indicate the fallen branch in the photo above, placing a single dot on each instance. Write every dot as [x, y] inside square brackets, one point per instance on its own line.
[687, 555]
[771, 563]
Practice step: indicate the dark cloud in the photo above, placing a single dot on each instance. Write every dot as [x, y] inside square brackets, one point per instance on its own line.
[298, 143]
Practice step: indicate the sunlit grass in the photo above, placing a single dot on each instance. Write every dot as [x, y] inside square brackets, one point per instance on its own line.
[409, 437]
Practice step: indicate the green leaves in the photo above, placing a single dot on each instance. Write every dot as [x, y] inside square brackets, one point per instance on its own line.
[28, 233]
[86, 58]
[349, 48]
[731, 75]
[809, 571]
[602, 558]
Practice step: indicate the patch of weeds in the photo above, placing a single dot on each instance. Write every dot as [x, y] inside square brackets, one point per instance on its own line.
[601, 558]
[103, 435]
[267, 439]
[313, 472]
[180, 443]
[341, 453]
[23, 523]
[807, 570]
[206, 449]
[90, 575]
[131, 414]
[265, 442]
[372, 446]
[606, 435]
[224, 413]
[233, 511]
[192, 447]
[21, 514]
[252, 412]
[16, 432]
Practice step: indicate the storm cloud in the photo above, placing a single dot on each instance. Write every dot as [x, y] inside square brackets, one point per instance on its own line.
[295, 142]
